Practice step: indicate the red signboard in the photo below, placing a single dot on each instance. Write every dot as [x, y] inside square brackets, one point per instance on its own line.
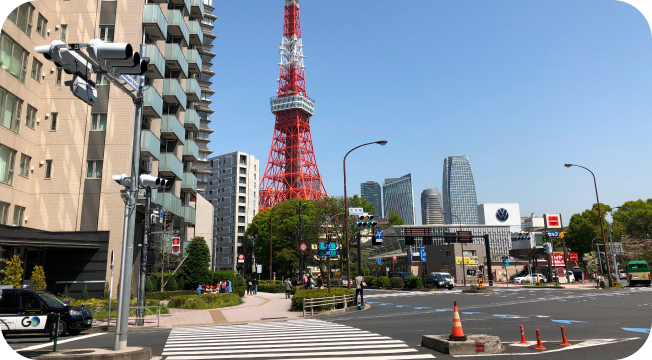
[553, 221]
[557, 259]
[572, 257]
[394, 258]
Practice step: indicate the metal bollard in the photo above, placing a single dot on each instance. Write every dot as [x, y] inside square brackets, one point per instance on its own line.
[539, 346]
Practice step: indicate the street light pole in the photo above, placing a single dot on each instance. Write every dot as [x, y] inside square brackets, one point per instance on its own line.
[462, 245]
[611, 241]
[604, 239]
[346, 210]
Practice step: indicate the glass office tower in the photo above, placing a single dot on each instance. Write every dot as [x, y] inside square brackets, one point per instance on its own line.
[431, 207]
[370, 191]
[459, 191]
[397, 195]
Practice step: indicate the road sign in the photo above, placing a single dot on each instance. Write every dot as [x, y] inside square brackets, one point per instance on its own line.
[303, 247]
[394, 258]
[327, 246]
[327, 253]
[162, 214]
[572, 257]
[423, 254]
[259, 269]
[356, 211]
[552, 233]
[379, 260]
[240, 259]
[131, 80]
[561, 235]
[505, 262]
[379, 234]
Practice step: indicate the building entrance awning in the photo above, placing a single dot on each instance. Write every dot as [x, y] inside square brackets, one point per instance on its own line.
[11, 236]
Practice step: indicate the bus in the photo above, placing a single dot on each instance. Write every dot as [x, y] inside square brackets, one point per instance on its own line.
[638, 272]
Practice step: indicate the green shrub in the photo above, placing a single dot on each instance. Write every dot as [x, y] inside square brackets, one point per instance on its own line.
[181, 282]
[525, 281]
[171, 284]
[413, 282]
[383, 281]
[240, 290]
[396, 282]
[370, 280]
[239, 280]
[297, 299]
[150, 285]
[84, 293]
[271, 288]
[206, 301]
[164, 295]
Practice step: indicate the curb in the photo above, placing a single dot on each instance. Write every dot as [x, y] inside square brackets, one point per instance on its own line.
[338, 312]
[130, 353]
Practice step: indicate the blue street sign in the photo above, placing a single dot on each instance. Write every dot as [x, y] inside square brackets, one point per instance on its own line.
[378, 261]
[423, 254]
[379, 234]
[327, 253]
[131, 81]
[162, 214]
[552, 233]
[327, 246]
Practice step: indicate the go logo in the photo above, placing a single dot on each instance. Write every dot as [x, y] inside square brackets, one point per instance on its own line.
[34, 321]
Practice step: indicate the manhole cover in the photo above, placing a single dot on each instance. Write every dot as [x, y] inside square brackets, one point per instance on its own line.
[79, 352]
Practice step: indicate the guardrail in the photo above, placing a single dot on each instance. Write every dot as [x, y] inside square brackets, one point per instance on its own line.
[54, 319]
[333, 301]
[154, 310]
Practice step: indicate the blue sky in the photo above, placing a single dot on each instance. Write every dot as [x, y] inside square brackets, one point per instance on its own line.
[520, 87]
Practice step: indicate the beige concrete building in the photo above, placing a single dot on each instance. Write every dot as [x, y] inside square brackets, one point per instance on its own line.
[57, 154]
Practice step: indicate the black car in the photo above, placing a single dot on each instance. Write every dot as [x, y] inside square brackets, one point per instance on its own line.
[31, 303]
[439, 280]
[400, 274]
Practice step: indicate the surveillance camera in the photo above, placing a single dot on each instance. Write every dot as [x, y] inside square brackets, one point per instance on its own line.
[124, 194]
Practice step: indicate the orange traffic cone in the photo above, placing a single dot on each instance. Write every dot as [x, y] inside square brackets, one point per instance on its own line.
[457, 333]
[563, 337]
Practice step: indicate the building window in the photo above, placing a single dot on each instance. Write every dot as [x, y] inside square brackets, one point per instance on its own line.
[205, 96]
[241, 199]
[48, 169]
[241, 209]
[107, 32]
[241, 229]
[53, 122]
[98, 122]
[94, 169]
[101, 80]
[243, 180]
[36, 70]
[64, 30]
[13, 58]
[10, 109]
[19, 212]
[41, 25]
[57, 80]
[449, 253]
[7, 159]
[243, 190]
[4, 212]
[25, 162]
[241, 219]
[243, 171]
[22, 17]
[30, 117]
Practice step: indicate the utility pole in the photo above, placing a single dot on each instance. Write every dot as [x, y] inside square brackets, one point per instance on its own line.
[359, 257]
[140, 320]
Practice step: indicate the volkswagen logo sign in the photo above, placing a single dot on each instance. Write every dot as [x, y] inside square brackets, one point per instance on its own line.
[502, 214]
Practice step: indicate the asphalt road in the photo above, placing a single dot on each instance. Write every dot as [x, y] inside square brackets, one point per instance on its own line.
[594, 321]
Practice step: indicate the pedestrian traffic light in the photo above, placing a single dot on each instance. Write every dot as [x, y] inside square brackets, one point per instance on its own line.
[176, 245]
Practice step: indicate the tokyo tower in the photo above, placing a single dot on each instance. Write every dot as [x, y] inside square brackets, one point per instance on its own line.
[291, 171]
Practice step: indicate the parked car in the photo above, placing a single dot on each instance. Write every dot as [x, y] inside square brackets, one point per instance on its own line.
[518, 274]
[531, 277]
[343, 281]
[31, 304]
[402, 274]
[562, 280]
[439, 280]
[622, 274]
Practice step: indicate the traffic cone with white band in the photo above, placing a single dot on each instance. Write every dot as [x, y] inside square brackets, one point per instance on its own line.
[457, 333]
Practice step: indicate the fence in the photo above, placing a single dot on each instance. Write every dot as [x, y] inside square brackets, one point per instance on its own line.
[331, 301]
[153, 312]
[53, 320]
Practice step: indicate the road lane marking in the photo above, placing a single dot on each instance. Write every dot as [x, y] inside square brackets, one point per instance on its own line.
[641, 330]
[60, 342]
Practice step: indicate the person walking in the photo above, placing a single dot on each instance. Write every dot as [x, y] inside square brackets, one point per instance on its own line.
[359, 286]
[288, 287]
[255, 281]
[320, 282]
[228, 286]
[250, 285]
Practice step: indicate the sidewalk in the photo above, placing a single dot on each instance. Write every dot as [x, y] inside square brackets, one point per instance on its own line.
[261, 307]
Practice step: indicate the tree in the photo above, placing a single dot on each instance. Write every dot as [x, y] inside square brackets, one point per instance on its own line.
[84, 293]
[13, 272]
[38, 278]
[591, 262]
[195, 268]
[584, 228]
[394, 218]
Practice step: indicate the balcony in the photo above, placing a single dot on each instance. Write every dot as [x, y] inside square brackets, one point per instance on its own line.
[169, 165]
[191, 120]
[190, 151]
[173, 93]
[152, 103]
[196, 33]
[193, 92]
[175, 60]
[203, 178]
[194, 61]
[189, 215]
[185, 3]
[154, 22]
[171, 128]
[170, 203]
[156, 66]
[177, 26]
[150, 145]
[197, 9]
[189, 182]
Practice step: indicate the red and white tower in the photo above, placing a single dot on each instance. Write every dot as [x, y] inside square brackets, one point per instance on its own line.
[291, 171]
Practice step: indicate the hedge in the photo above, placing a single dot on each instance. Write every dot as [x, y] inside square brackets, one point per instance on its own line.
[271, 288]
[297, 299]
[206, 301]
[370, 280]
[396, 282]
[382, 281]
[413, 282]
[164, 295]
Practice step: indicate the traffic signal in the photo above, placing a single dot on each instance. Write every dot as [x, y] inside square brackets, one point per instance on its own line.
[153, 181]
[119, 56]
[365, 221]
[409, 240]
[123, 180]
[428, 241]
[69, 61]
[523, 235]
[176, 245]
[547, 248]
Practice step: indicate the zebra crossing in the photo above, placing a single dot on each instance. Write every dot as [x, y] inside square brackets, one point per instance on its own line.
[294, 339]
[396, 294]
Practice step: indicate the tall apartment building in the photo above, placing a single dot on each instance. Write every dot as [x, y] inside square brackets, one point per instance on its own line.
[370, 191]
[431, 207]
[398, 196]
[233, 191]
[57, 154]
[458, 190]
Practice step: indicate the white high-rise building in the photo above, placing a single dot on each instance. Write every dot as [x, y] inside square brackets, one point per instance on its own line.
[431, 207]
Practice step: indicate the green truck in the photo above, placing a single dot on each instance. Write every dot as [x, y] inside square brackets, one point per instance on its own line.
[638, 272]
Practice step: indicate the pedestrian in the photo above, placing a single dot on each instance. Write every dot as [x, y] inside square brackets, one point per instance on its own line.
[255, 281]
[320, 282]
[288, 287]
[359, 286]
[228, 286]
[222, 286]
[198, 291]
[305, 280]
[250, 285]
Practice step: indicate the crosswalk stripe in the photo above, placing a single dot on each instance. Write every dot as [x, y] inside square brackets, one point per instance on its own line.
[250, 329]
[290, 354]
[254, 332]
[268, 350]
[279, 338]
[275, 344]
